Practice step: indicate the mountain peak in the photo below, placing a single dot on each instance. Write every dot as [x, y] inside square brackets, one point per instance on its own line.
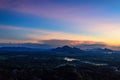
[67, 49]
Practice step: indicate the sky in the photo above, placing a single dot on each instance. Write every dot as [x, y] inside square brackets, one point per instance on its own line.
[81, 21]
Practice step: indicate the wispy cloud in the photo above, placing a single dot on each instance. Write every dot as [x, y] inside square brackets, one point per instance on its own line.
[36, 35]
[60, 12]
[40, 34]
[58, 42]
[9, 27]
[84, 17]
[17, 41]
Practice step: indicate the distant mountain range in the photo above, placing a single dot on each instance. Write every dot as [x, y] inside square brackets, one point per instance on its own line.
[19, 49]
[64, 49]
[67, 49]
[28, 45]
[100, 50]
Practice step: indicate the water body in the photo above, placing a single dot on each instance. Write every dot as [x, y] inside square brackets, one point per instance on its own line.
[86, 62]
[70, 59]
[96, 64]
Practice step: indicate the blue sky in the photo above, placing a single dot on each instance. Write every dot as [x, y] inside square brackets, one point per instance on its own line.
[81, 20]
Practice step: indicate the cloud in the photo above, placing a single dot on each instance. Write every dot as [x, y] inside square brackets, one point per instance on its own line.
[60, 12]
[79, 44]
[56, 42]
[9, 27]
[34, 34]
[16, 41]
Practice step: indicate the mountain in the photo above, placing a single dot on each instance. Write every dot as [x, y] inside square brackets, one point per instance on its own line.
[28, 45]
[100, 50]
[64, 49]
[15, 49]
[67, 49]
[21, 49]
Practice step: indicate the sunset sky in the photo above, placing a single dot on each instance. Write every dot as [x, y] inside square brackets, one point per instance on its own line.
[23, 21]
